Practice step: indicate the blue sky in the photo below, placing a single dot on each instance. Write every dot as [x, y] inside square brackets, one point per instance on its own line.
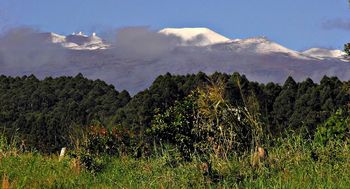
[297, 24]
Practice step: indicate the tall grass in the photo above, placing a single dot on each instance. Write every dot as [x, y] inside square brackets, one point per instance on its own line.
[9, 146]
[290, 165]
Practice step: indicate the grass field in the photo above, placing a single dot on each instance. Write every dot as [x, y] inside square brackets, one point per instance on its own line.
[293, 164]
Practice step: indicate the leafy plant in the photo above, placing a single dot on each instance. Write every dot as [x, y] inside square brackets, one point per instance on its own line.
[336, 129]
[99, 144]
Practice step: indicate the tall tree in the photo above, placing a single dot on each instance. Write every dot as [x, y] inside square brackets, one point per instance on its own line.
[284, 104]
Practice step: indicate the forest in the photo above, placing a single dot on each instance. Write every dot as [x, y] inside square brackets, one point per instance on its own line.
[179, 118]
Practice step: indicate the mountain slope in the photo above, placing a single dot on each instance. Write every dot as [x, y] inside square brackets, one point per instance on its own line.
[258, 45]
[325, 53]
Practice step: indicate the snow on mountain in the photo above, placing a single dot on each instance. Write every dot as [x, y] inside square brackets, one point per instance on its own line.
[55, 38]
[258, 45]
[136, 63]
[79, 39]
[195, 36]
[48, 37]
[75, 41]
[322, 53]
[202, 37]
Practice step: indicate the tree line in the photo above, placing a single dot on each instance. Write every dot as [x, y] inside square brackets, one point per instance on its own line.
[45, 114]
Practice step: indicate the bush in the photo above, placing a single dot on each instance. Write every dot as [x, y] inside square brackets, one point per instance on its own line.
[205, 123]
[100, 143]
[336, 129]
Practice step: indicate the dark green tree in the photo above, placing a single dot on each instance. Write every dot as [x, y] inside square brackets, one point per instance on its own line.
[284, 104]
[347, 49]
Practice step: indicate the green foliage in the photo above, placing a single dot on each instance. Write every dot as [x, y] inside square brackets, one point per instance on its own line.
[100, 143]
[284, 104]
[347, 49]
[289, 165]
[44, 112]
[10, 146]
[165, 90]
[205, 123]
[216, 121]
[335, 129]
[175, 125]
[292, 162]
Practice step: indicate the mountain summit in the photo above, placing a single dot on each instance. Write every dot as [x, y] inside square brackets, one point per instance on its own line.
[195, 36]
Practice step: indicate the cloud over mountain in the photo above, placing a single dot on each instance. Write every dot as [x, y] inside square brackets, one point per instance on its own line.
[23, 51]
[137, 55]
[141, 43]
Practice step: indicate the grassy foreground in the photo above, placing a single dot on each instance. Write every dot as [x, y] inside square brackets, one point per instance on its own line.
[294, 164]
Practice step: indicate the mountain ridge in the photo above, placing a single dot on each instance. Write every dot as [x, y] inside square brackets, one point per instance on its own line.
[133, 63]
[203, 37]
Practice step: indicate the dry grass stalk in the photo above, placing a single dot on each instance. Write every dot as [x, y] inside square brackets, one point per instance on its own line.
[161, 186]
[75, 165]
[5, 182]
[259, 156]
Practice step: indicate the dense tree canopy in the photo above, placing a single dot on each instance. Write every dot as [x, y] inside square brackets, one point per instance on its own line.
[46, 112]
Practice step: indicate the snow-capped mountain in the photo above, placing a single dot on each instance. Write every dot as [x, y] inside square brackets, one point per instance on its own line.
[133, 62]
[195, 36]
[202, 37]
[258, 45]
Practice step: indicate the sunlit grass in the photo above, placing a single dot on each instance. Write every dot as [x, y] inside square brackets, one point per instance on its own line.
[289, 166]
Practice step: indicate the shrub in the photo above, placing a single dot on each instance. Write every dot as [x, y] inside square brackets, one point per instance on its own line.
[204, 123]
[336, 129]
[100, 143]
